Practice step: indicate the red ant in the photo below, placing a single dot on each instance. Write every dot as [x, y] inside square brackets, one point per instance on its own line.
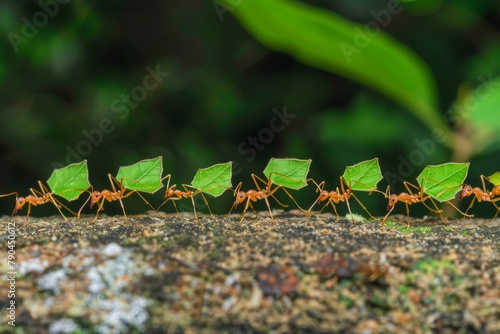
[37, 198]
[410, 198]
[255, 195]
[337, 196]
[110, 196]
[170, 192]
[482, 195]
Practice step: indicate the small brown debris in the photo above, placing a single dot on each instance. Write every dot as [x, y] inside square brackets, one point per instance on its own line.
[278, 281]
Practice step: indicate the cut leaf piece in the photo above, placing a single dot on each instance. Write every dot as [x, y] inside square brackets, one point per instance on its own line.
[70, 181]
[442, 182]
[495, 179]
[213, 180]
[363, 176]
[289, 173]
[142, 176]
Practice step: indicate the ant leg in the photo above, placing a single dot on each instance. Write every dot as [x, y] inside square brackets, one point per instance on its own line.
[194, 209]
[496, 206]
[462, 213]
[270, 193]
[440, 212]
[334, 208]
[387, 215]
[246, 208]
[12, 193]
[319, 188]
[208, 206]
[235, 193]
[407, 186]
[407, 214]
[364, 208]
[142, 197]
[269, 208]
[27, 216]
[56, 203]
[112, 179]
[347, 195]
[100, 207]
[88, 199]
[471, 204]
[198, 191]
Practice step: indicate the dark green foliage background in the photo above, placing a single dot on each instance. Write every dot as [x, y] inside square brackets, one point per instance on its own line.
[222, 87]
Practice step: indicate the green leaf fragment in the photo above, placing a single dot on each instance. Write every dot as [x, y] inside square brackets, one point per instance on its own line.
[363, 176]
[495, 179]
[144, 176]
[213, 180]
[442, 182]
[70, 181]
[289, 173]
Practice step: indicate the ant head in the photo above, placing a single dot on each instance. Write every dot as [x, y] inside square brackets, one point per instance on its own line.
[240, 197]
[393, 199]
[323, 196]
[465, 192]
[169, 192]
[94, 198]
[20, 201]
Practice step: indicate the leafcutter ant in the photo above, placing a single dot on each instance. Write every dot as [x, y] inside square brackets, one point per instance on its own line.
[408, 199]
[255, 195]
[411, 198]
[38, 198]
[173, 195]
[98, 197]
[337, 196]
[482, 195]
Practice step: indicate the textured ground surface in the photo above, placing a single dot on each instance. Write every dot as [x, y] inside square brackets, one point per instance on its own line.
[213, 276]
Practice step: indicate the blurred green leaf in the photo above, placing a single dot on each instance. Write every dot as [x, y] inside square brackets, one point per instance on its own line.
[363, 176]
[442, 182]
[480, 109]
[142, 176]
[495, 179]
[322, 39]
[289, 173]
[70, 181]
[213, 180]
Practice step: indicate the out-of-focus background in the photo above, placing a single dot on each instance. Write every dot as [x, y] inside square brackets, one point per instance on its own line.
[412, 83]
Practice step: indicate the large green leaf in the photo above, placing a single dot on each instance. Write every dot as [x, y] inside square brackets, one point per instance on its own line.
[495, 179]
[442, 182]
[322, 39]
[289, 173]
[213, 180]
[363, 176]
[142, 176]
[70, 181]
